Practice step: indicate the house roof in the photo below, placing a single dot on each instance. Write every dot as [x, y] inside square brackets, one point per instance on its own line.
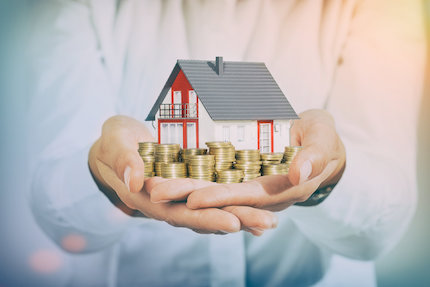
[243, 91]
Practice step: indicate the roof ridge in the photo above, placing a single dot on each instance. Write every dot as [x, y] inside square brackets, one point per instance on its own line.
[205, 61]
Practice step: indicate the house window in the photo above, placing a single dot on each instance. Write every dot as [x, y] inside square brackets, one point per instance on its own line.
[177, 104]
[192, 104]
[172, 133]
[164, 133]
[226, 133]
[192, 97]
[191, 135]
[177, 97]
[240, 133]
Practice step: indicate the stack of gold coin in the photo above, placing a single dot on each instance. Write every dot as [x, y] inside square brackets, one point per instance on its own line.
[165, 153]
[248, 160]
[147, 148]
[230, 176]
[158, 168]
[202, 167]
[189, 152]
[289, 154]
[149, 165]
[146, 151]
[272, 169]
[272, 157]
[224, 153]
[174, 170]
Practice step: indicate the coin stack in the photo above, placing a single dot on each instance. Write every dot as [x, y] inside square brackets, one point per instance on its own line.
[272, 157]
[272, 169]
[202, 167]
[289, 154]
[230, 176]
[165, 153]
[248, 160]
[146, 151]
[174, 170]
[147, 148]
[224, 153]
[189, 152]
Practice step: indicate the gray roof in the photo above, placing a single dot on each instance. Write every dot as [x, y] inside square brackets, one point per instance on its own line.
[244, 91]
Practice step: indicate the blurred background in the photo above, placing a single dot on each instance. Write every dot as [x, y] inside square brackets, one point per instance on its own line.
[27, 255]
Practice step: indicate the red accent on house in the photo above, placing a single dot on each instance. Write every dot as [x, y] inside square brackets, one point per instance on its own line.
[181, 84]
[271, 133]
[258, 134]
[197, 127]
[184, 129]
[159, 132]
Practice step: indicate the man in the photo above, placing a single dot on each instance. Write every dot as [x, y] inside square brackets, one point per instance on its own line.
[353, 70]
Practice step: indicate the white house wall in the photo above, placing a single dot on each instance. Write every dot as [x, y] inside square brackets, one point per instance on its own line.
[281, 135]
[168, 97]
[250, 133]
[206, 127]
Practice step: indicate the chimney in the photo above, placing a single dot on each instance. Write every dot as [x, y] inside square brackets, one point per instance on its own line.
[219, 65]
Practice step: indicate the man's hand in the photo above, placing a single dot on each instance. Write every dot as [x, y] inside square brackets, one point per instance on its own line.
[321, 162]
[119, 172]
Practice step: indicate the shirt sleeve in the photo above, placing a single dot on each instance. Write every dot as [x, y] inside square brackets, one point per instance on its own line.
[375, 102]
[72, 96]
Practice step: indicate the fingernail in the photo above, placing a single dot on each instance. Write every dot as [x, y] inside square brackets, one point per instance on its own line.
[274, 221]
[305, 171]
[127, 171]
[256, 229]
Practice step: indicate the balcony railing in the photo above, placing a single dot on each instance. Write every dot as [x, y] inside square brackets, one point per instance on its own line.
[178, 111]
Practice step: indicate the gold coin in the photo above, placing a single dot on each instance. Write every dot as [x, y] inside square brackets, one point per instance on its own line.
[276, 156]
[275, 169]
[218, 144]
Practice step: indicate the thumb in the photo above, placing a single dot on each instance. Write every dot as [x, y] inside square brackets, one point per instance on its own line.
[124, 160]
[130, 168]
[308, 163]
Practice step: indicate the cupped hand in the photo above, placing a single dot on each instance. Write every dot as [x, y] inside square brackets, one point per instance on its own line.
[119, 172]
[321, 162]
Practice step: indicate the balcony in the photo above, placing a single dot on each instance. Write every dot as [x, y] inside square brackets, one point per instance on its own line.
[178, 111]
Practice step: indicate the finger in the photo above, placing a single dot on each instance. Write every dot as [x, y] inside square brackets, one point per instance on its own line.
[211, 220]
[261, 192]
[319, 142]
[308, 163]
[175, 189]
[252, 219]
[152, 182]
[131, 168]
[255, 232]
[118, 149]
[112, 180]
[220, 195]
[208, 232]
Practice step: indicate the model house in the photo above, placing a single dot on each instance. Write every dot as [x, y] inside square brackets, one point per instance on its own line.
[238, 102]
